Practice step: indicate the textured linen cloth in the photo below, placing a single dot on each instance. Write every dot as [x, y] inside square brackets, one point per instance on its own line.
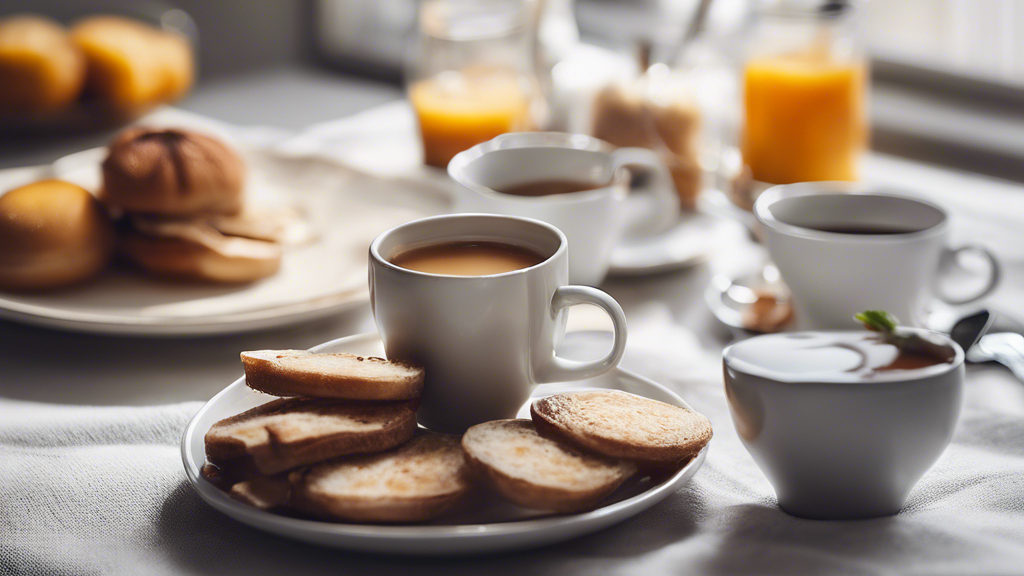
[88, 490]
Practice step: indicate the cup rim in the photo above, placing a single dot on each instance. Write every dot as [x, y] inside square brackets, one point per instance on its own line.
[514, 140]
[376, 256]
[885, 379]
[827, 188]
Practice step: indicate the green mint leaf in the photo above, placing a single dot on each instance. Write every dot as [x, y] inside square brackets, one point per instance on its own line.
[877, 320]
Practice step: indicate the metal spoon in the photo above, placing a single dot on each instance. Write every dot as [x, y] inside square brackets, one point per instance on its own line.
[1006, 348]
[969, 329]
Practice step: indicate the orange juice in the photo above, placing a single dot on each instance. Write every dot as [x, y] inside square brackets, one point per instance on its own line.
[457, 110]
[806, 118]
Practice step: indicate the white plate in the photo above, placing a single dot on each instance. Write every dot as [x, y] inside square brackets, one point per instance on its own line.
[346, 209]
[483, 527]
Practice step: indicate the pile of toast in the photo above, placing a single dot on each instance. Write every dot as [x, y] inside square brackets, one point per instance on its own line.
[342, 444]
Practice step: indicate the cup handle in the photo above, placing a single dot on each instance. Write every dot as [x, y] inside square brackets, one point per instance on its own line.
[948, 263]
[654, 207]
[560, 369]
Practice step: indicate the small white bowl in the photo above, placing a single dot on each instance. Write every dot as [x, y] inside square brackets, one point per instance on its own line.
[835, 447]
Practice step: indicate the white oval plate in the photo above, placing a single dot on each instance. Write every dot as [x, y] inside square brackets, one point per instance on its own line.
[483, 527]
[345, 208]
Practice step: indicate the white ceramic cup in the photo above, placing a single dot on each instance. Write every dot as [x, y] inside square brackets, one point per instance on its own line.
[837, 450]
[594, 220]
[833, 276]
[484, 340]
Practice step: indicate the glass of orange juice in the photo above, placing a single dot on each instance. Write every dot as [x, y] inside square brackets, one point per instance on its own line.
[472, 76]
[805, 85]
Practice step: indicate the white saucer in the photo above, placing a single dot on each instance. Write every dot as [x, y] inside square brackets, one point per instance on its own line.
[691, 241]
[484, 527]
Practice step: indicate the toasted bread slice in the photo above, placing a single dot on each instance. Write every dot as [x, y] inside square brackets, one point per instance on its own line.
[264, 492]
[346, 376]
[623, 425]
[416, 482]
[536, 472]
[287, 433]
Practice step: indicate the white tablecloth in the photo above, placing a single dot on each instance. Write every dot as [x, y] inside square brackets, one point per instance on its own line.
[101, 490]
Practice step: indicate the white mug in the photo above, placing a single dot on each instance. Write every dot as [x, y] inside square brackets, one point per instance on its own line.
[483, 340]
[594, 220]
[833, 276]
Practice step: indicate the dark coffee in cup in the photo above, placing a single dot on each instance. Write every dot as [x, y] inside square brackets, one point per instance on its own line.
[865, 229]
[550, 187]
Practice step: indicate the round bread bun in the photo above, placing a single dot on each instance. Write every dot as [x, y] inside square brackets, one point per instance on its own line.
[52, 234]
[172, 173]
[536, 472]
[41, 69]
[192, 250]
[133, 66]
[623, 425]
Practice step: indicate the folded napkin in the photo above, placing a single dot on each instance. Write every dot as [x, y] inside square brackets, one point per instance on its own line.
[102, 491]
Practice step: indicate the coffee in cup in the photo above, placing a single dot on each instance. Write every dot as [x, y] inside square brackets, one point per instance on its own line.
[467, 258]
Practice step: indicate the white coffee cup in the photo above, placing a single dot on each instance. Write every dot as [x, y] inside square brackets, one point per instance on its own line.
[833, 276]
[594, 220]
[835, 448]
[484, 340]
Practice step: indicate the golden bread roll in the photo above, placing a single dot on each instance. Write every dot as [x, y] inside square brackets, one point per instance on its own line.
[172, 172]
[133, 65]
[41, 69]
[192, 250]
[52, 234]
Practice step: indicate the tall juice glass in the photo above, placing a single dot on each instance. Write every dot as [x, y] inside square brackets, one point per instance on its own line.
[472, 78]
[805, 86]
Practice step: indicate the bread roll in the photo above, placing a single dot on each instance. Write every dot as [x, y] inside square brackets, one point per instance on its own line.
[133, 65]
[52, 234]
[41, 69]
[172, 172]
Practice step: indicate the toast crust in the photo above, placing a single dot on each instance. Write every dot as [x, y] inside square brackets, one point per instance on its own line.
[623, 425]
[288, 433]
[413, 483]
[269, 493]
[342, 376]
[535, 472]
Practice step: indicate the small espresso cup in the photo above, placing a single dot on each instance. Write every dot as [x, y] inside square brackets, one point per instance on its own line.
[483, 340]
[843, 248]
[593, 220]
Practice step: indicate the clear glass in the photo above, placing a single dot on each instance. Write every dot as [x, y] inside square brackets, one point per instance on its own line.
[471, 77]
[805, 93]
